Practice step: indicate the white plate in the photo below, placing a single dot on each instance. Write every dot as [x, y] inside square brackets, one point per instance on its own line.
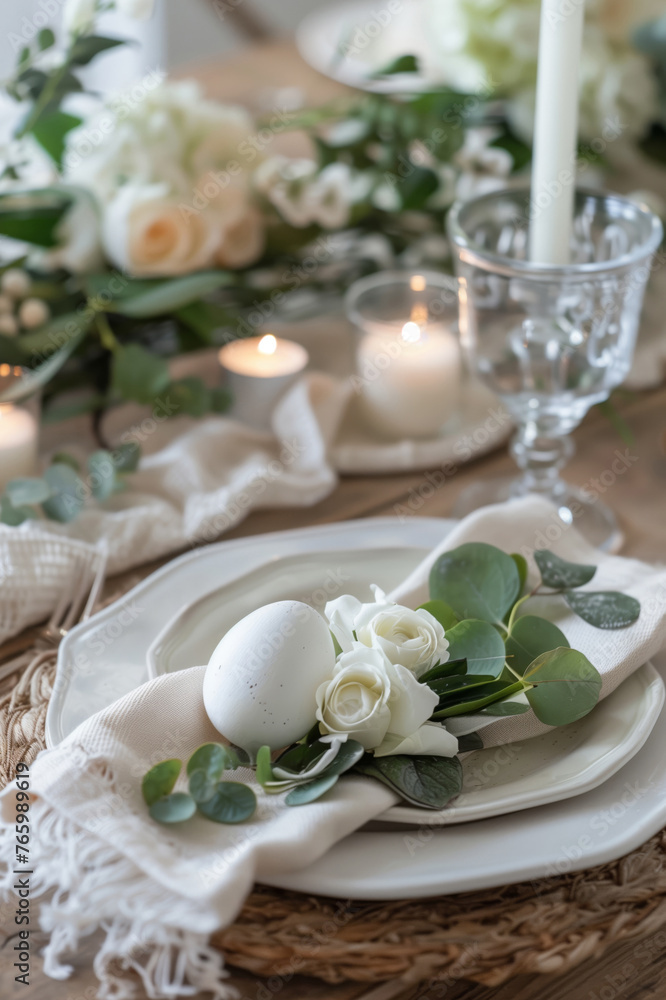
[562, 763]
[106, 657]
[343, 43]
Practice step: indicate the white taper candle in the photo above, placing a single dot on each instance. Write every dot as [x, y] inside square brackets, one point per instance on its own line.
[556, 130]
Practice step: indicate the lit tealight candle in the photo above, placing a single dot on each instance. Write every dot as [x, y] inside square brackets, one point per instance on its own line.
[18, 443]
[409, 376]
[259, 370]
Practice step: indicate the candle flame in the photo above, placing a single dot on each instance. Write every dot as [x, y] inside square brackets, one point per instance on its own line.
[411, 333]
[417, 283]
[267, 344]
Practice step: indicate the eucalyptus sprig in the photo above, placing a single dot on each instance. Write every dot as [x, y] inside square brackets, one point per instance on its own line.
[61, 493]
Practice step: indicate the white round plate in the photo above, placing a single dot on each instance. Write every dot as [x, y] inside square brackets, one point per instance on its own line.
[106, 657]
[348, 43]
[557, 765]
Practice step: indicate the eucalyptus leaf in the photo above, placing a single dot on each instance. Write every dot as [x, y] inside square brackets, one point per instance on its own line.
[560, 574]
[213, 759]
[567, 686]
[126, 456]
[469, 742]
[476, 580]
[13, 516]
[28, 491]
[449, 669]
[202, 786]
[480, 644]
[531, 636]
[521, 566]
[160, 780]
[233, 802]
[64, 458]
[442, 612]
[460, 684]
[430, 782]
[174, 808]
[101, 475]
[310, 790]
[501, 709]
[605, 608]
[67, 493]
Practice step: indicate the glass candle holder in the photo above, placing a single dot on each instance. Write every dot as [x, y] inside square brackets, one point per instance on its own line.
[408, 365]
[19, 424]
[551, 341]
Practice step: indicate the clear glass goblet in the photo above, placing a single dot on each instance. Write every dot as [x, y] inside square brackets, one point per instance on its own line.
[550, 341]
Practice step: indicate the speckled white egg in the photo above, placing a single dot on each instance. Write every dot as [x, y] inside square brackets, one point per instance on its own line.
[260, 683]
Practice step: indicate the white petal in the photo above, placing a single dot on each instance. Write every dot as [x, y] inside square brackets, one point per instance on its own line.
[411, 703]
[431, 740]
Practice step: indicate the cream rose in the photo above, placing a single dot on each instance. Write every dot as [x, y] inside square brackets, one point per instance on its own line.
[412, 639]
[145, 232]
[380, 705]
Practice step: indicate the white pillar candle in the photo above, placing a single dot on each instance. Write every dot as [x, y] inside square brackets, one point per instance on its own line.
[555, 131]
[408, 378]
[18, 443]
[258, 371]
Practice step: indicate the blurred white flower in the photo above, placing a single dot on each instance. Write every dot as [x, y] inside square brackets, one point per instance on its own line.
[145, 232]
[483, 167]
[78, 15]
[305, 195]
[140, 10]
[79, 247]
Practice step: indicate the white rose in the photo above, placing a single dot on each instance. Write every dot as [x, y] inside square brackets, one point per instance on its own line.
[140, 10]
[413, 639]
[79, 239]
[78, 15]
[369, 698]
[146, 233]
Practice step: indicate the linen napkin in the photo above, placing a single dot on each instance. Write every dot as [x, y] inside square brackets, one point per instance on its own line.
[197, 479]
[160, 892]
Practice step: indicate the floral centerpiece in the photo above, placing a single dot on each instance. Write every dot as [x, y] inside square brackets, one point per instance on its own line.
[161, 222]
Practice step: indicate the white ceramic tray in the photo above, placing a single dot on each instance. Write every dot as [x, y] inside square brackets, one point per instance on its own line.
[106, 657]
[562, 763]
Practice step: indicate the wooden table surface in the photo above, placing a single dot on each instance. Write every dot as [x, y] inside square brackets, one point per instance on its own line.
[632, 972]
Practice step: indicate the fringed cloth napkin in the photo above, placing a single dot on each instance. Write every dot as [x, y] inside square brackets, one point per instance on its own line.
[159, 892]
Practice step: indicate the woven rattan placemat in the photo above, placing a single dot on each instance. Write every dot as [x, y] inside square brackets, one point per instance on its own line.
[547, 926]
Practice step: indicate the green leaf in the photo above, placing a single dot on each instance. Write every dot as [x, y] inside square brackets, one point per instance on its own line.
[35, 225]
[87, 47]
[604, 608]
[459, 685]
[13, 516]
[232, 802]
[214, 759]
[480, 644]
[531, 636]
[51, 130]
[521, 566]
[442, 612]
[138, 375]
[558, 573]
[202, 787]
[72, 328]
[477, 580]
[310, 790]
[190, 396]
[24, 492]
[10, 350]
[567, 686]
[479, 698]
[418, 184]
[430, 782]
[204, 318]
[102, 475]
[503, 708]
[220, 400]
[167, 296]
[174, 808]
[126, 457]
[449, 669]
[63, 458]
[264, 772]
[45, 39]
[160, 780]
[402, 64]
[67, 493]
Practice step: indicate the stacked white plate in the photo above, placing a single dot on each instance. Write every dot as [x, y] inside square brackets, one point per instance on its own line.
[576, 797]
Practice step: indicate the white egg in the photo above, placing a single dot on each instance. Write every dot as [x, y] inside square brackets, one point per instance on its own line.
[259, 687]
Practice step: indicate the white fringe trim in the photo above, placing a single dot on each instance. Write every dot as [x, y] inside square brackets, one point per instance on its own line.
[91, 886]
